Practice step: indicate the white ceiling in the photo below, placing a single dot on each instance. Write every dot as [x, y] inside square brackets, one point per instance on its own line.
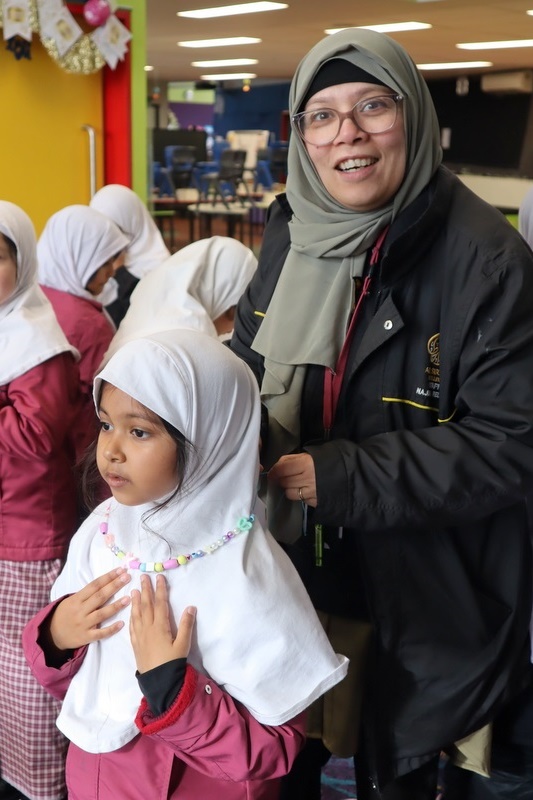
[287, 34]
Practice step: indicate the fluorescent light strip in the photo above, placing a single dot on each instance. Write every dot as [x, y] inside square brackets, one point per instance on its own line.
[237, 76]
[225, 62]
[388, 27]
[495, 45]
[235, 40]
[228, 11]
[456, 65]
[148, 68]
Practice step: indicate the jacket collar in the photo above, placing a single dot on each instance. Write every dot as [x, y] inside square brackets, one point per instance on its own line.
[412, 234]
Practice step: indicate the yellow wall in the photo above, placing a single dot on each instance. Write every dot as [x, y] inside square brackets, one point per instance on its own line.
[43, 149]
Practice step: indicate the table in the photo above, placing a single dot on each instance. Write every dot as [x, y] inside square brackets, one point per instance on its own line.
[166, 209]
[234, 213]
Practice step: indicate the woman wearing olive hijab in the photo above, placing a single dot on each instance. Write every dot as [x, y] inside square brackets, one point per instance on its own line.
[389, 326]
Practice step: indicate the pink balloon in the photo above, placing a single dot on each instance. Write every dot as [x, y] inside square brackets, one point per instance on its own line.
[96, 12]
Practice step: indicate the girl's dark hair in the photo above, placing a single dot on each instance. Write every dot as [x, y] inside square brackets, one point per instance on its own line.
[94, 490]
[12, 247]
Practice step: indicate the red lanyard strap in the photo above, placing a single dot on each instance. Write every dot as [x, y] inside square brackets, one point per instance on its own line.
[333, 378]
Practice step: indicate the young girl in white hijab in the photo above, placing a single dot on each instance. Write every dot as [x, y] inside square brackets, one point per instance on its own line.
[216, 709]
[198, 287]
[76, 253]
[146, 248]
[39, 401]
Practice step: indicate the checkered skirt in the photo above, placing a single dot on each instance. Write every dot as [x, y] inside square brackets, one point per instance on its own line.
[32, 750]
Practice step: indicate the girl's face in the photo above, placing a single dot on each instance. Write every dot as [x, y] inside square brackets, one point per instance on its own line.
[8, 270]
[99, 279]
[363, 171]
[135, 454]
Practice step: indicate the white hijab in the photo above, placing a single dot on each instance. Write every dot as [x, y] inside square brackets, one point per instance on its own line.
[190, 289]
[74, 244]
[29, 331]
[257, 634]
[146, 248]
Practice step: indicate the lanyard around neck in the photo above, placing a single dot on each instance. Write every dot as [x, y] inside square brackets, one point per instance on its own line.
[333, 378]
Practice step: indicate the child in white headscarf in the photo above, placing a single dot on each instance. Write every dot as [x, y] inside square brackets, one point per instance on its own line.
[198, 287]
[76, 253]
[146, 248]
[216, 710]
[39, 400]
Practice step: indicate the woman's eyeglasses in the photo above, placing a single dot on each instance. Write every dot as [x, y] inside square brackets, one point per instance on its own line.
[372, 115]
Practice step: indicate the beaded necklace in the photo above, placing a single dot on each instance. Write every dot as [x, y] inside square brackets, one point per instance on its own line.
[243, 526]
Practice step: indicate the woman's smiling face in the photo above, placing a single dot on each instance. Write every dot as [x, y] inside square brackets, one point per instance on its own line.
[362, 171]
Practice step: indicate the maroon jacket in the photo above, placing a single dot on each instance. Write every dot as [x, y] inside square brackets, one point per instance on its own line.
[207, 746]
[38, 505]
[90, 331]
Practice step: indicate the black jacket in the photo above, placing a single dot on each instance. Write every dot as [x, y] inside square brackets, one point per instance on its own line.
[427, 467]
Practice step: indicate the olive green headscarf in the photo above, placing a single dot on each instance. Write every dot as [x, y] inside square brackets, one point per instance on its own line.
[306, 320]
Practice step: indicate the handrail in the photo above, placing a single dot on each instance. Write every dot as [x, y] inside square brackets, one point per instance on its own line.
[92, 157]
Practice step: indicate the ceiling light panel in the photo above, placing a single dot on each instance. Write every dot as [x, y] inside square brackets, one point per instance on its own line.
[387, 27]
[225, 62]
[512, 43]
[456, 65]
[234, 40]
[228, 76]
[228, 11]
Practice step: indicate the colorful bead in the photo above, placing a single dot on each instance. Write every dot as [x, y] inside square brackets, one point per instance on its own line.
[244, 524]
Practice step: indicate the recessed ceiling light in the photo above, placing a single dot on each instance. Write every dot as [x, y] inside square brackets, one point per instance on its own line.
[225, 62]
[495, 45]
[227, 11]
[234, 40]
[456, 65]
[228, 76]
[148, 68]
[388, 27]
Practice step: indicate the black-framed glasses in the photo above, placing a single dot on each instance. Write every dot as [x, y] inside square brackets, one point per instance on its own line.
[372, 115]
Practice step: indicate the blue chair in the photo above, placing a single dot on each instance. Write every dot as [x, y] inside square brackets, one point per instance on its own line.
[180, 161]
[262, 173]
[162, 180]
[203, 168]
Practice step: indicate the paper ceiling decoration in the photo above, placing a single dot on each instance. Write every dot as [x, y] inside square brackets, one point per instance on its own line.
[71, 48]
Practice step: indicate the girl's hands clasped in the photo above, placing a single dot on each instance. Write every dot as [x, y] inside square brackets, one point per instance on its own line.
[150, 628]
[77, 619]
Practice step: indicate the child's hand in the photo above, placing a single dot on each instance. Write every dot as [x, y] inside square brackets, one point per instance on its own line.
[151, 636]
[77, 619]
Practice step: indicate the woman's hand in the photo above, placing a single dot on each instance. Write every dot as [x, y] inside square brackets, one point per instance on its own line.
[77, 619]
[295, 474]
[151, 636]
